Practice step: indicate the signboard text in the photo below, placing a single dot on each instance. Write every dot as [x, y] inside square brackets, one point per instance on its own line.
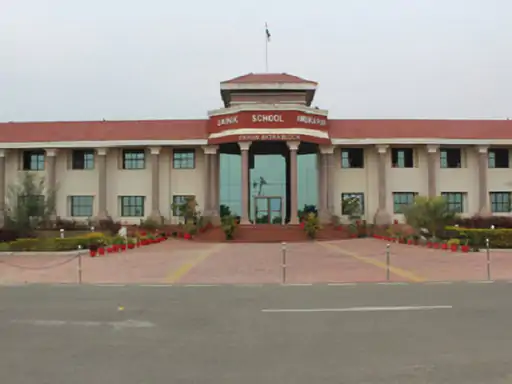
[268, 137]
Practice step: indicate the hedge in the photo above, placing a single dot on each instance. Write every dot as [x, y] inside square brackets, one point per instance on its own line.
[91, 240]
[498, 238]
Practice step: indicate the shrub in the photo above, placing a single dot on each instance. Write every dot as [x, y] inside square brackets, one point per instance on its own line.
[229, 226]
[476, 238]
[481, 222]
[304, 212]
[312, 225]
[150, 224]
[108, 225]
[9, 235]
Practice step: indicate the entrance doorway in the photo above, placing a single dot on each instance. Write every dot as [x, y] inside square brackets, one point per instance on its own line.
[268, 210]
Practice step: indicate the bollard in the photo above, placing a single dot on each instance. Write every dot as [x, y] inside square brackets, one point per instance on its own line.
[488, 259]
[283, 265]
[62, 233]
[79, 264]
[387, 262]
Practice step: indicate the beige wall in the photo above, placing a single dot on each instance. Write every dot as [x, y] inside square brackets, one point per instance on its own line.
[192, 181]
[464, 180]
[120, 182]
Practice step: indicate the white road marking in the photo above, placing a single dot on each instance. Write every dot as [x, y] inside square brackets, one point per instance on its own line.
[438, 282]
[359, 309]
[395, 283]
[481, 282]
[115, 324]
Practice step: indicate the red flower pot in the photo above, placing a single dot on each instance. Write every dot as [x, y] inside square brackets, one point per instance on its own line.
[410, 242]
[187, 236]
[92, 253]
[435, 245]
[464, 248]
[454, 247]
[123, 247]
[110, 250]
[353, 236]
[444, 246]
[429, 245]
[101, 251]
[131, 246]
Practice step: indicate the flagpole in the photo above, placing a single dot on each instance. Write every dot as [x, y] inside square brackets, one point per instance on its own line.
[266, 54]
[266, 47]
[267, 40]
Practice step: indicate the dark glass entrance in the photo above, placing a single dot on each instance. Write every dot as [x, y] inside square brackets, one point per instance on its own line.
[268, 210]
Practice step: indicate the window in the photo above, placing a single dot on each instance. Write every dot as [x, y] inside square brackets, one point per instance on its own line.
[177, 201]
[184, 158]
[402, 157]
[348, 196]
[32, 205]
[352, 158]
[498, 158]
[82, 159]
[455, 201]
[33, 160]
[402, 199]
[81, 206]
[132, 206]
[451, 158]
[500, 202]
[134, 159]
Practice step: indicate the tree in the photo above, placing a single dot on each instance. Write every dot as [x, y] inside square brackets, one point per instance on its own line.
[429, 213]
[29, 203]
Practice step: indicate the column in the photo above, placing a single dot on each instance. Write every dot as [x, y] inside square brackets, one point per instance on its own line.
[244, 150]
[155, 184]
[483, 190]
[432, 156]
[51, 181]
[206, 182]
[324, 194]
[102, 183]
[214, 183]
[382, 216]
[294, 198]
[2, 187]
[210, 166]
[331, 186]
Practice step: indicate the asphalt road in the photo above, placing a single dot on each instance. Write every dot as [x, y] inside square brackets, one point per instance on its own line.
[128, 335]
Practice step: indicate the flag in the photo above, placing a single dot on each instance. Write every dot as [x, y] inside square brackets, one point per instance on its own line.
[267, 32]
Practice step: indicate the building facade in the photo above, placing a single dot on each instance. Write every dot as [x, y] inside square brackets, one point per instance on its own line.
[131, 170]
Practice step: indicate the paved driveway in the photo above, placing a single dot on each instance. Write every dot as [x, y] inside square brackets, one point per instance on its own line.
[185, 262]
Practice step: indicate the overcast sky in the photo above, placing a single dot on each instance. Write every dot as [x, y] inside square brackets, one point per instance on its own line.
[164, 59]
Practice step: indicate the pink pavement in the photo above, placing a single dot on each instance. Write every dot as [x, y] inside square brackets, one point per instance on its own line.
[188, 262]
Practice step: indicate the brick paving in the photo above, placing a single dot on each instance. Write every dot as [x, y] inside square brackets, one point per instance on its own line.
[188, 262]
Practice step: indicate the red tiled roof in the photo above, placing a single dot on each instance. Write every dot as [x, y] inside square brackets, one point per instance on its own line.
[103, 130]
[264, 78]
[197, 129]
[438, 129]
